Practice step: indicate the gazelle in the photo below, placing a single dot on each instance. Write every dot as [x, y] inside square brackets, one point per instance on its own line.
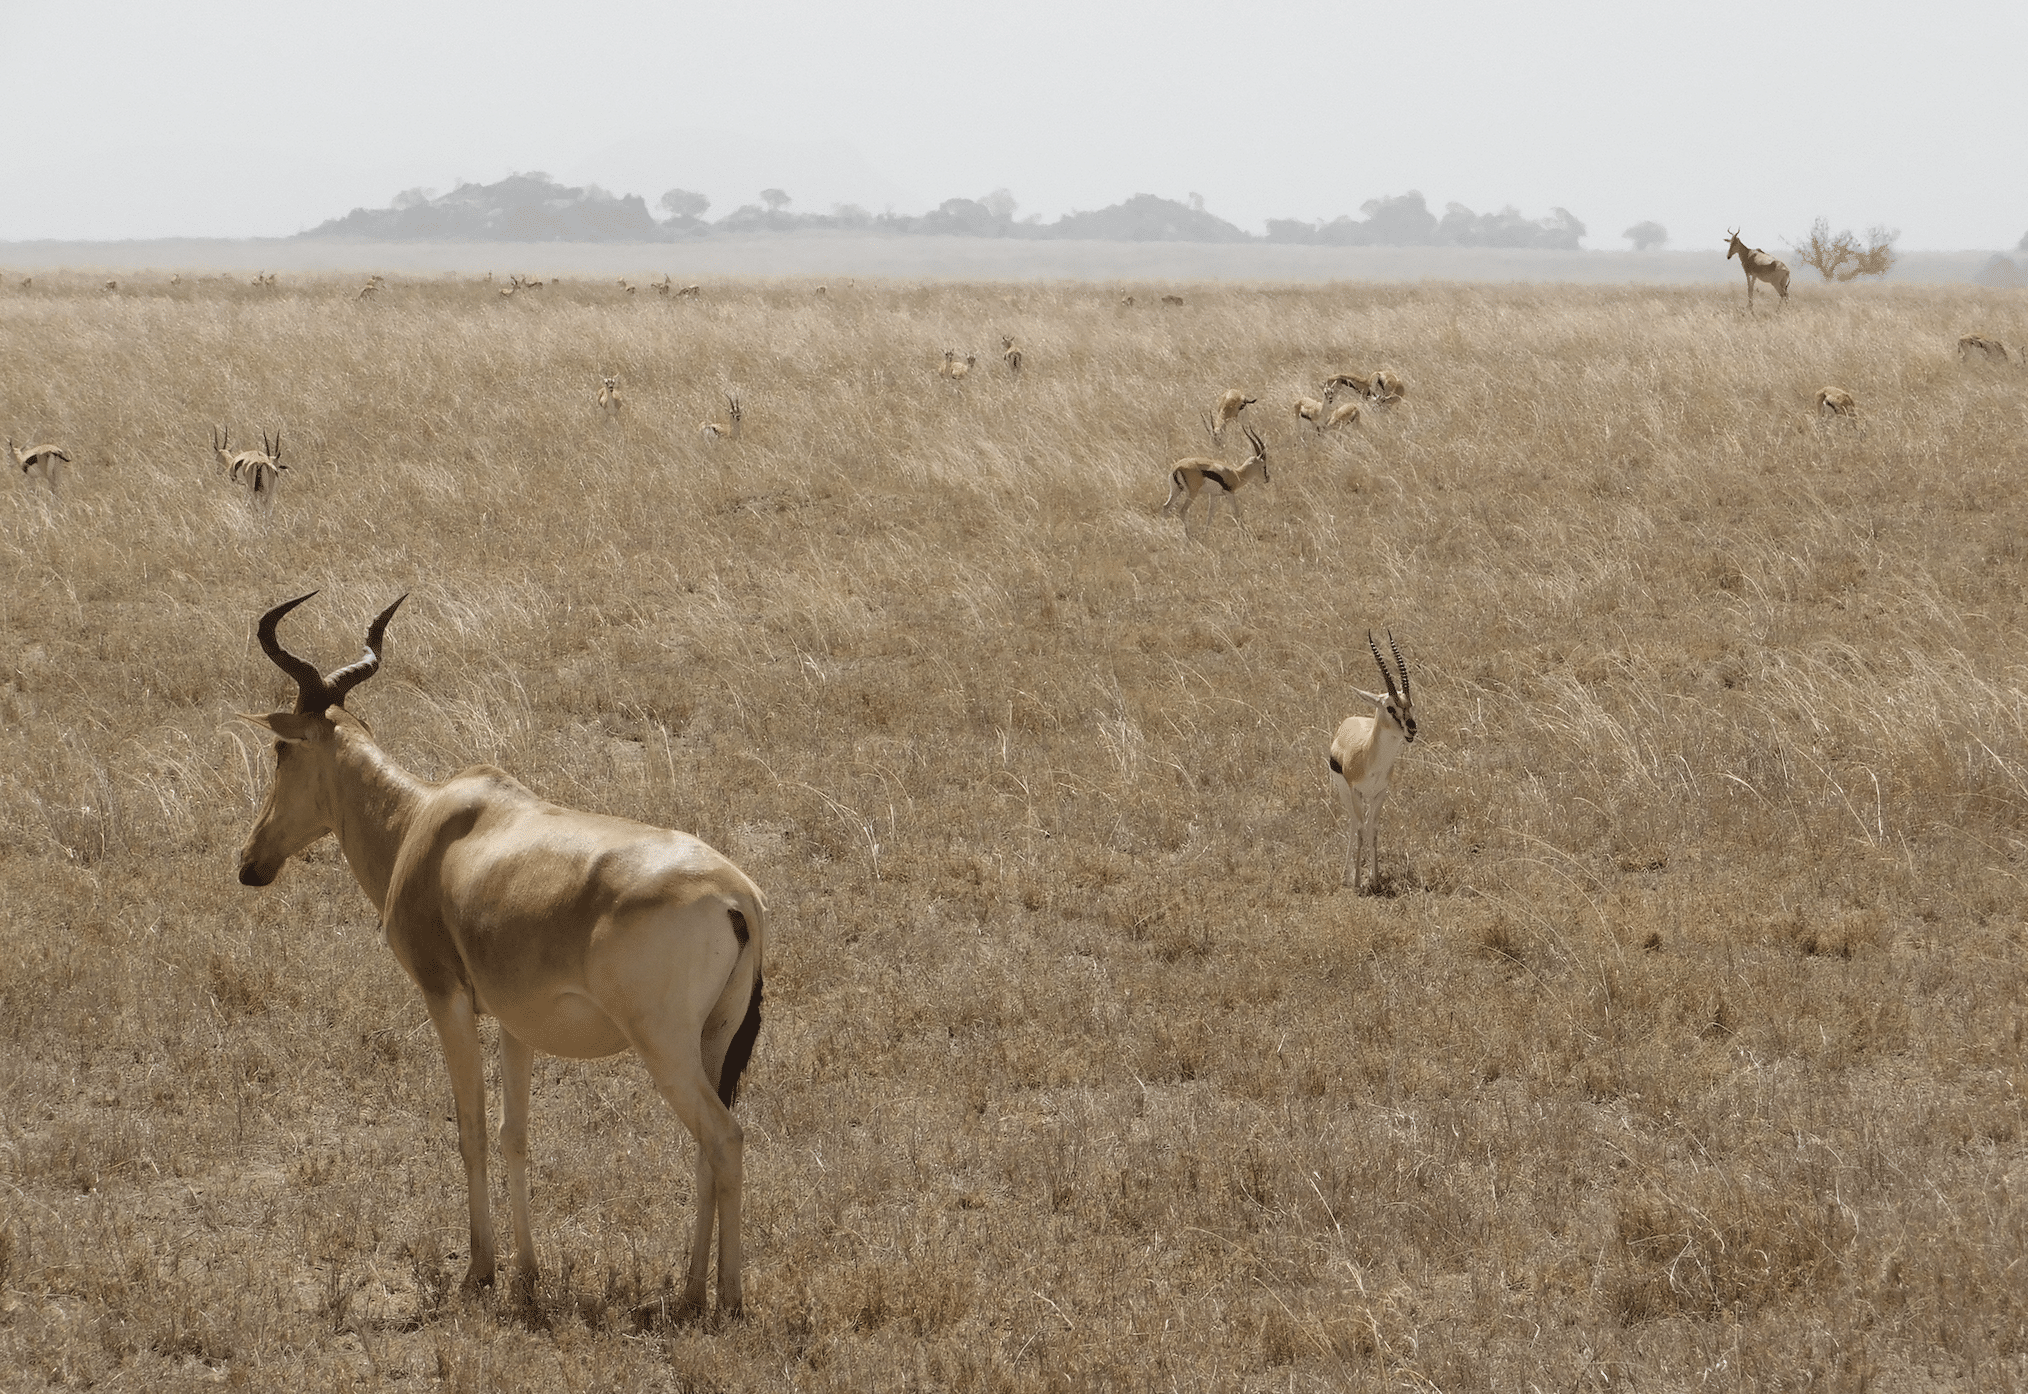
[112, 285]
[236, 462]
[689, 292]
[1994, 350]
[48, 459]
[261, 470]
[1009, 354]
[372, 287]
[727, 429]
[1362, 759]
[585, 935]
[1172, 300]
[954, 370]
[609, 398]
[1835, 401]
[1343, 414]
[1759, 266]
[663, 286]
[1312, 410]
[1226, 410]
[1386, 388]
[1217, 480]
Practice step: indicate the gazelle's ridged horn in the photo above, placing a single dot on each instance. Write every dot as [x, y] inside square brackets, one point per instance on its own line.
[1381, 663]
[311, 693]
[350, 676]
[1399, 664]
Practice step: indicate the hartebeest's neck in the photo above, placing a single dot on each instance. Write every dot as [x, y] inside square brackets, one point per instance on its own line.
[373, 802]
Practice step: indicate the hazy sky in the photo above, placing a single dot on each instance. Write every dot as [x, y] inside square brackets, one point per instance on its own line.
[232, 118]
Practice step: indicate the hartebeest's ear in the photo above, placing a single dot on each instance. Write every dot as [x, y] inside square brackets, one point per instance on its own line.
[289, 726]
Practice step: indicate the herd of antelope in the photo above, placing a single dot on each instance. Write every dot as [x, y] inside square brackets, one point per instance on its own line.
[586, 935]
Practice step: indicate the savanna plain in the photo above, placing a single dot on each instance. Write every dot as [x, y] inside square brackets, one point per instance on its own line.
[1681, 1046]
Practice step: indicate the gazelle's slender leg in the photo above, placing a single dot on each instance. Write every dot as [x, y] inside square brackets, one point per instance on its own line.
[458, 1029]
[517, 1063]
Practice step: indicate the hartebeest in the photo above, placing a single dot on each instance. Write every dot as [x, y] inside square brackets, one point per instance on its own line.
[1759, 266]
[1215, 479]
[585, 935]
[1362, 759]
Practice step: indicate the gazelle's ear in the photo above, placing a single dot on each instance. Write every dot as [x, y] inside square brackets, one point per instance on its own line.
[1377, 699]
[288, 726]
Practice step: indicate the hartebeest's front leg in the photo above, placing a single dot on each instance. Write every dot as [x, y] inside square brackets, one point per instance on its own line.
[517, 1062]
[458, 1028]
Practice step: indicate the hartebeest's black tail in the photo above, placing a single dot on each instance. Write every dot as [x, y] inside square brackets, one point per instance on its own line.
[739, 1050]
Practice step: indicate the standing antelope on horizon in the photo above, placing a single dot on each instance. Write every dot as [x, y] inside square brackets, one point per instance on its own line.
[1362, 759]
[1759, 266]
[1216, 480]
[1226, 410]
[727, 429]
[583, 935]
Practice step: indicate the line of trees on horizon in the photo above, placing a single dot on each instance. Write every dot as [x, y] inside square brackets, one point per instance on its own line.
[532, 207]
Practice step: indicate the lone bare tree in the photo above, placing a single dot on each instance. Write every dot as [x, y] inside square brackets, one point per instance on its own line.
[1842, 256]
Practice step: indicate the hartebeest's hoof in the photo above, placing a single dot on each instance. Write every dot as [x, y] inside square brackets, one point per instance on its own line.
[477, 1278]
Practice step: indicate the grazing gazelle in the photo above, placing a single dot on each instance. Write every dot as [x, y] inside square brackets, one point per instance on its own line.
[1009, 354]
[609, 398]
[1362, 757]
[1215, 479]
[1343, 414]
[727, 429]
[48, 459]
[1835, 401]
[585, 935]
[236, 462]
[259, 468]
[1385, 388]
[1312, 410]
[1759, 266]
[1226, 410]
[1993, 350]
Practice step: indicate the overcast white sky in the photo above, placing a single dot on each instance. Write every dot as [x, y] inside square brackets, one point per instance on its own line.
[234, 118]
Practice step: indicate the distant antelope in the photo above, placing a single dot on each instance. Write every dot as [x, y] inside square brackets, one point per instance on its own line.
[1009, 354]
[1995, 350]
[1128, 301]
[689, 292]
[112, 285]
[1835, 401]
[1172, 300]
[954, 370]
[1226, 410]
[1386, 388]
[265, 469]
[823, 290]
[1217, 480]
[1343, 414]
[609, 398]
[237, 462]
[1759, 266]
[663, 286]
[727, 429]
[1362, 758]
[49, 459]
[372, 287]
[264, 279]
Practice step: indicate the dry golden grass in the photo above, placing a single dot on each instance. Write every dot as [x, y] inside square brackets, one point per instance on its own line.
[1685, 1051]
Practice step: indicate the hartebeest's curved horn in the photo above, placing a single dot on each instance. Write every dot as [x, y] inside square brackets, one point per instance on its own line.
[311, 693]
[350, 676]
[1381, 663]
[1399, 664]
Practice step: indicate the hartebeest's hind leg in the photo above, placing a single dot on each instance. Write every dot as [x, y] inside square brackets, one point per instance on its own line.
[458, 1028]
[679, 1077]
[517, 1063]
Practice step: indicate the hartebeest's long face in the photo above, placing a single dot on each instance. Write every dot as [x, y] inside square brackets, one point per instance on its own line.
[301, 804]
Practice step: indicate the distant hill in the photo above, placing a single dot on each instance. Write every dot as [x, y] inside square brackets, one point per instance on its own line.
[520, 208]
[534, 208]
